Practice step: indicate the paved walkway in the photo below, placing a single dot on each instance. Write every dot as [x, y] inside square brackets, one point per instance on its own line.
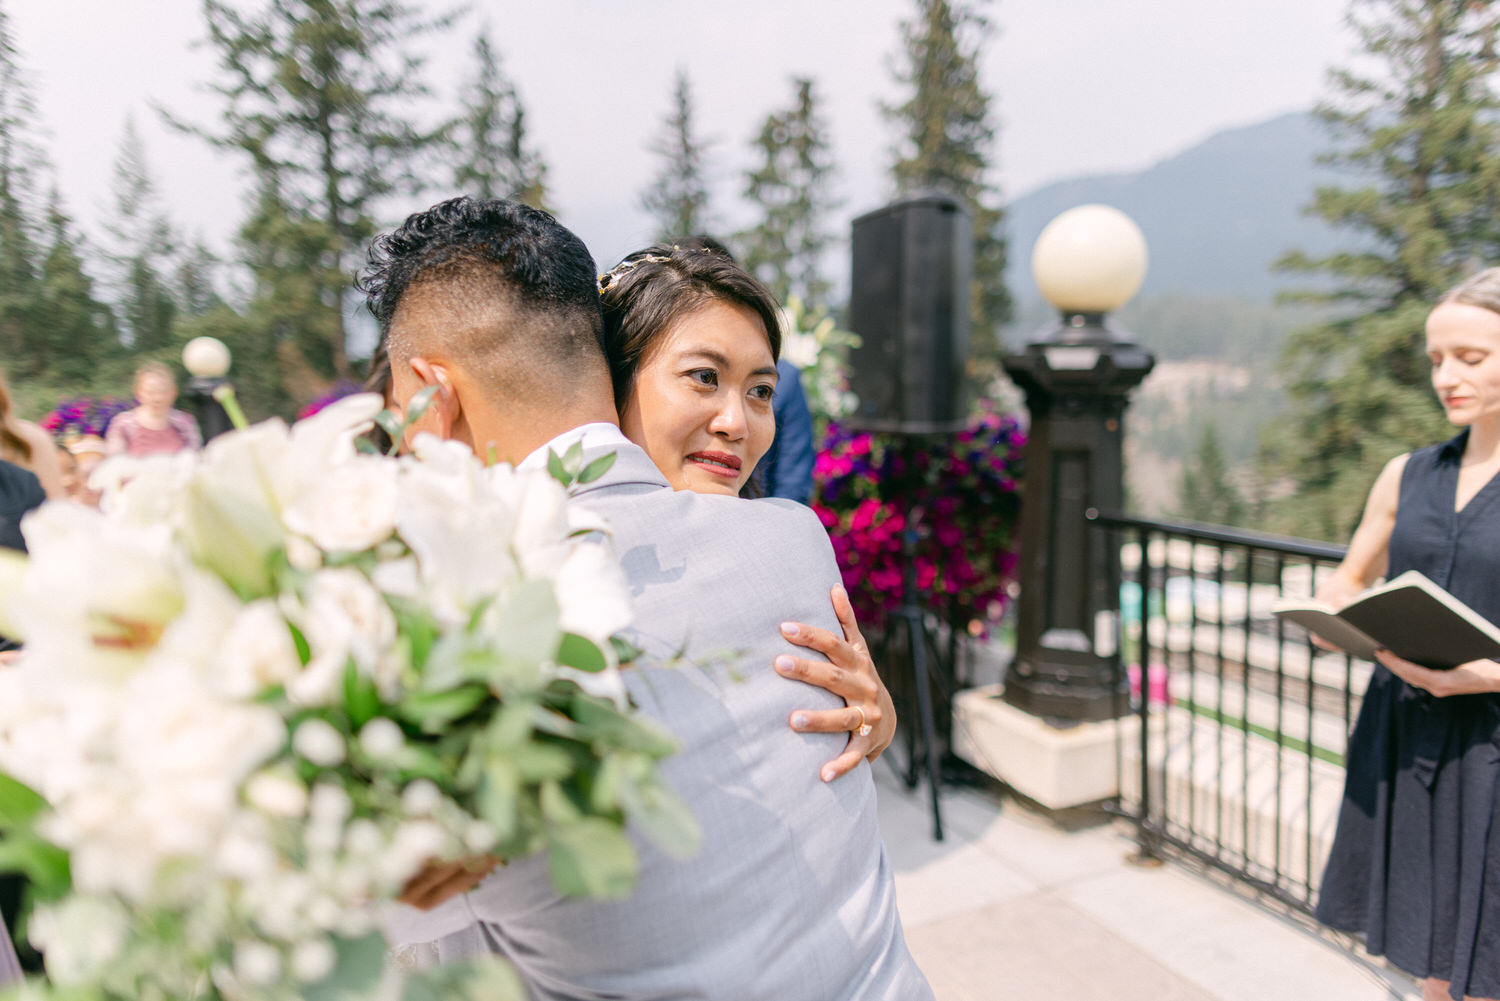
[1012, 906]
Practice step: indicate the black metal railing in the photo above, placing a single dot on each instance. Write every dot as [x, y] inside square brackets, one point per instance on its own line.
[1235, 751]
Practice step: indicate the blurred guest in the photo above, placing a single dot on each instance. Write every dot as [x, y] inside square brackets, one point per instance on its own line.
[86, 451]
[153, 427]
[26, 445]
[788, 465]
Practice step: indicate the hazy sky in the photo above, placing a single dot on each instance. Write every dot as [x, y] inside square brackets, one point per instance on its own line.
[1081, 86]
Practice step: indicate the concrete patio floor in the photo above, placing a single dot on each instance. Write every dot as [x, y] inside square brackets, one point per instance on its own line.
[1013, 905]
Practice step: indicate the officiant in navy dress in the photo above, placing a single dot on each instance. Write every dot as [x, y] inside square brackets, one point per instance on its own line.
[1415, 864]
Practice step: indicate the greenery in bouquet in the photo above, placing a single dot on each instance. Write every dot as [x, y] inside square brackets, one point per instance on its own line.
[271, 681]
[961, 497]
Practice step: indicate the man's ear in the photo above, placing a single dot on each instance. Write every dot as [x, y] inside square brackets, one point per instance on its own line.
[445, 412]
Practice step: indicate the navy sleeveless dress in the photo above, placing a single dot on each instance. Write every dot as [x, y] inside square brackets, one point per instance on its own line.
[1415, 864]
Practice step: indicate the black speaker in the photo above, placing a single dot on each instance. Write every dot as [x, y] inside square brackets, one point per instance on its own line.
[909, 303]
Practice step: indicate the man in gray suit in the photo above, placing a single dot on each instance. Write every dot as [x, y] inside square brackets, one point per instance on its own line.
[791, 897]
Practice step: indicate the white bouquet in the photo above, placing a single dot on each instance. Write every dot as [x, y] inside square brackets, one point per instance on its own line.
[274, 679]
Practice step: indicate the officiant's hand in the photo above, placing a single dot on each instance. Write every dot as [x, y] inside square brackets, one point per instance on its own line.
[438, 882]
[1473, 678]
[851, 675]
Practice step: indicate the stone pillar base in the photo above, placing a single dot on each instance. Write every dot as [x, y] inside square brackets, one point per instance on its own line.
[1059, 767]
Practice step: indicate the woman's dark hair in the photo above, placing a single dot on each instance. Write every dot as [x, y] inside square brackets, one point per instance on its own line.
[652, 289]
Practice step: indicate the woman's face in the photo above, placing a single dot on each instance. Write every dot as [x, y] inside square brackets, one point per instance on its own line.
[1463, 344]
[155, 393]
[701, 404]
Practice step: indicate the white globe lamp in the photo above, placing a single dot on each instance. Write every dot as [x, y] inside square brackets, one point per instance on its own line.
[1077, 377]
[206, 358]
[1090, 259]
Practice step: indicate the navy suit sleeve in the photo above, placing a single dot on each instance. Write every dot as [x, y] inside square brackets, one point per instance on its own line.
[792, 466]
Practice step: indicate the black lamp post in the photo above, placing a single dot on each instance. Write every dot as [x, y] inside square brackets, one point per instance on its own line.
[1077, 377]
[207, 361]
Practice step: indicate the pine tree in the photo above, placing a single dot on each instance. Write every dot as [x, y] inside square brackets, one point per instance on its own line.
[495, 158]
[946, 142]
[678, 198]
[791, 190]
[194, 281]
[20, 256]
[1419, 131]
[141, 251]
[319, 99]
[1206, 493]
[78, 339]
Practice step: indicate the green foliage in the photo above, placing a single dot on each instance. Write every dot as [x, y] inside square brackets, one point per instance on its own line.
[141, 251]
[1419, 129]
[494, 159]
[1207, 492]
[945, 144]
[790, 190]
[678, 197]
[78, 338]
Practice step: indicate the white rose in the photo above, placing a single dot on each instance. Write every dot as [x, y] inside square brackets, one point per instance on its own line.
[351, 508]
[320, 681]
[276, 792]
[318, 742]
[326, 439]
[80, 935]
[420, 797]
[313, 960]
[381, 738]
[256, 962]
[345, 612]
[257, 652]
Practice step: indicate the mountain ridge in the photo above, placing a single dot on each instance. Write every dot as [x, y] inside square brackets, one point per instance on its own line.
[1215, 216]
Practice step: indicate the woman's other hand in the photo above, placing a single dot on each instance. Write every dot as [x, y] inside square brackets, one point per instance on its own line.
[849, 674]
[1474, 678]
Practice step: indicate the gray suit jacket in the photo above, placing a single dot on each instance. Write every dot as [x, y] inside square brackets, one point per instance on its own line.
[791, 896]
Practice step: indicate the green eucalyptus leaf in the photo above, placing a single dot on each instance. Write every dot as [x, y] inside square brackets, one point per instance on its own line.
[577, 652]
[45, 865]
[557, 470]
[557, 806]
[597, 468]
[483, 978]
[20, 805]
[625, 651]
[361, 699]
[573, 458]
[537, 762]
[663, 816]
[498, 797]
[304, 649]
[356, 974]
[603, 722]
[591, 858]
[434, 711]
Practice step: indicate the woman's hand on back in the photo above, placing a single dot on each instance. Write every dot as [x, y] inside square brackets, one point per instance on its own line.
[850, 674]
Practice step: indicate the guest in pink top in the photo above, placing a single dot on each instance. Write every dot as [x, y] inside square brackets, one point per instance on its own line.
[153, 427]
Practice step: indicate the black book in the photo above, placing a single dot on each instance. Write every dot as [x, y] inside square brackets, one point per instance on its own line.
[1410, 616]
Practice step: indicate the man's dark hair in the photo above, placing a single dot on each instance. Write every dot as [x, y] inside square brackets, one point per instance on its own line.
[650, 290]
[492, 252]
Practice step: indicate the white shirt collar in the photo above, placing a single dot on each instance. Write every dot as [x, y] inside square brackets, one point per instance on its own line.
[600, 434]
